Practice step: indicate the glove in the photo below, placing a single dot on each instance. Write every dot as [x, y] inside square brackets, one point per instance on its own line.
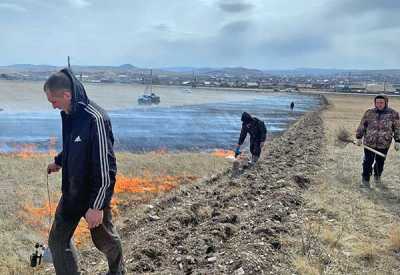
[359, 142]
[237, 152]
[397, 146]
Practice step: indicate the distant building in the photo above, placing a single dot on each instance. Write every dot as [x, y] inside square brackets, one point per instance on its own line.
[379, 88]
[350, 88]
[304, 86]
[252, 85]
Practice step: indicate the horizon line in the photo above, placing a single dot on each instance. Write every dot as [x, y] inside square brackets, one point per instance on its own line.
[205, 67]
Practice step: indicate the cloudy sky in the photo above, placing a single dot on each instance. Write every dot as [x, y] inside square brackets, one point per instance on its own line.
[265, 34]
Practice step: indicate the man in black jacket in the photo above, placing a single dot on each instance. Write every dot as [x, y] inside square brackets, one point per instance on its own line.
[88, 175]
[258, 133]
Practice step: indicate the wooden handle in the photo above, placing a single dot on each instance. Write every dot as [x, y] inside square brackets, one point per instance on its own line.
[373, 150]
[370, 149]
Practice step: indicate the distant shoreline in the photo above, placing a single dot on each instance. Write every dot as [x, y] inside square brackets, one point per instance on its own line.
[257, 90]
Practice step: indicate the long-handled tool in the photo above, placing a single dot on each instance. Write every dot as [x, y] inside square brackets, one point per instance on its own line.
[370, 149]
[47, 258]
[41, 252]
[345, 136]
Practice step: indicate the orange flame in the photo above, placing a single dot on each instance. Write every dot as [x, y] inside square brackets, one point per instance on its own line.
[37, 216]
[147, 184]
[26, 151]
[161, 151]
[52, 146]
[223, 153]
[34, 216]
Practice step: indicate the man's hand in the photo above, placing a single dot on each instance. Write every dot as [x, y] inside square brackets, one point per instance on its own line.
[94, 217]
[52, 168]
[237, 150]
[359, 142]
[397, 146]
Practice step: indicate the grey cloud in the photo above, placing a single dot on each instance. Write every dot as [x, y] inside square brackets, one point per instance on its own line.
[162, 27]
[236, 27]
[368, 15]
[298, 45]
[276, 34]
[363, 6]
[234, 6]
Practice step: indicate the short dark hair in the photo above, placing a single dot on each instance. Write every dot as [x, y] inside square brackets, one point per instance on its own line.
[57, 81]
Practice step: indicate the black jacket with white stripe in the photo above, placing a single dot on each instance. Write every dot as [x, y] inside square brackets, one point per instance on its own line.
[87, 159]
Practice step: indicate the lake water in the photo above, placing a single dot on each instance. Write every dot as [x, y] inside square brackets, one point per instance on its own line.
[205, 119]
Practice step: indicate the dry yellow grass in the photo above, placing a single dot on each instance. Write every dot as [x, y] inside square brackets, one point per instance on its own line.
[305, 267]
[394, 238]
[23, 182]
[367, 251]
[331, 237]
[358, 233]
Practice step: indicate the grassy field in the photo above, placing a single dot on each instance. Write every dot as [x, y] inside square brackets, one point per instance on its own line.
[24, 210]
[348, 230]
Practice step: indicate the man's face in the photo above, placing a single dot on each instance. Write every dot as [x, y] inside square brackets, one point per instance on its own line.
[380, 104]
[60, 100]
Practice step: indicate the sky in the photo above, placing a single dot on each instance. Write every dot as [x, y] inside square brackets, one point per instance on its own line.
[263, 34]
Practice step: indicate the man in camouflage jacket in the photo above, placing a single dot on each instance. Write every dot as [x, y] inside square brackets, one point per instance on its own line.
[377, 128]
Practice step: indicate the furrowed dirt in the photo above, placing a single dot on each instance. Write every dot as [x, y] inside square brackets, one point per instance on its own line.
[223, 224]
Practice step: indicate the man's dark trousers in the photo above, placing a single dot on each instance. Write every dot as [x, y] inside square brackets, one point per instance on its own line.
[104, 237]
[255, 148]
[369, 159]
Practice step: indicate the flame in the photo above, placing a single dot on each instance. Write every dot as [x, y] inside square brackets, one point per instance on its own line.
[52, 146]
[37, 217]
[82, 233]
[161, 151]
[223, 153]
[26, 151]
[147, 183]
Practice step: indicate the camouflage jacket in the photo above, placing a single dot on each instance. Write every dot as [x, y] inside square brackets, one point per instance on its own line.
[378, 128]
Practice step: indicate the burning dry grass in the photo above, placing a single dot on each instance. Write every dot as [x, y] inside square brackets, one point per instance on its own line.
[223, 153]
[27, 151]
[149, 183]
[36, 217]
[24, 210]
[359, 233]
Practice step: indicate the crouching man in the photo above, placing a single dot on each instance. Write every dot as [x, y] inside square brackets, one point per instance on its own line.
[377, 128]
[88, 175]
[258, 133]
